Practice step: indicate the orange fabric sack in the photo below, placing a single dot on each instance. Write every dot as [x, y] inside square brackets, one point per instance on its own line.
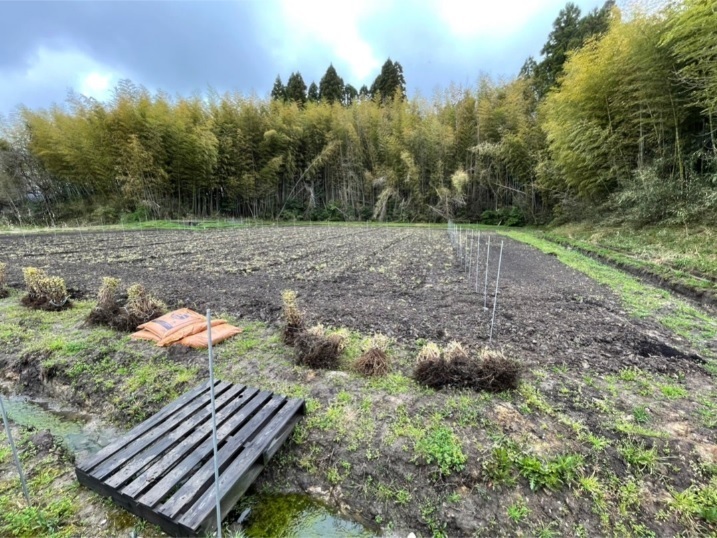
[165, 326]
[188, 330]
[219, 334]
[144, 335]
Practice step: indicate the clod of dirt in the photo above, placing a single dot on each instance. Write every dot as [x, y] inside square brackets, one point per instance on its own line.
[118, 318]
[373, 362]
[492, 371]
[317, 351]
[43, 441]
[43, 303]
[650, 348]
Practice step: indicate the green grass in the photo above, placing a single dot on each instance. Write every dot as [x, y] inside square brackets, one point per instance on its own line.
[677, 249]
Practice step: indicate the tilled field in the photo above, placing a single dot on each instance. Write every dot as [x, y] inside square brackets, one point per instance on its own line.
[612, 431]
[404, 282]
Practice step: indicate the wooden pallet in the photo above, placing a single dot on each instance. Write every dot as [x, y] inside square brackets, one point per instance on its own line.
[163, 471]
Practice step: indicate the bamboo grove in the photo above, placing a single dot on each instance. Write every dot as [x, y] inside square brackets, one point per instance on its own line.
[625, 128]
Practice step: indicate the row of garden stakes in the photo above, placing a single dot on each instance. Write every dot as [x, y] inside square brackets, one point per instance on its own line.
[465, 243]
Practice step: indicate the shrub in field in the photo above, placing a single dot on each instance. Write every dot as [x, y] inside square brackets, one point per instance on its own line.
[317, 351]
[293, 317]
[44, 292]
[124, 313]
[4, 292]
[374, 361]
[491, 370]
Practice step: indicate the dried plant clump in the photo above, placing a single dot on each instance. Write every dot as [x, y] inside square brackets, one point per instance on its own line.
[498, 372]
[429, 351]
[4, 292]
[293, 317]
[142, 305]
[314, 351]
[317, 330]
[342, 337]
[455, 351]
[108, 294]
[124, 313]
[491, 370]
[374, 361]
[44, 292]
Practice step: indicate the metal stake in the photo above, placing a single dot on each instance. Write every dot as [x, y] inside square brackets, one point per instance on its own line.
[485, 286]
[14, 453]
[478, 262]
[495, 296]
[214, 424]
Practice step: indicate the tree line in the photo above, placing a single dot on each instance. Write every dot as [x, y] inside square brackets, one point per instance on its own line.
[615, 119]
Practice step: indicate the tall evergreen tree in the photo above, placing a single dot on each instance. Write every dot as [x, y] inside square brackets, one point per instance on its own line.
[364, 92]
[350, 94]
[389, 80]
[313, 92]
[570, 32]
[331, 86]
[296, 88]
[278, 92]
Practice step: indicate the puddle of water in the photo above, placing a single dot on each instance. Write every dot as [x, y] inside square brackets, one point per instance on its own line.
[80, 434]
[298, 516]
[276, 516]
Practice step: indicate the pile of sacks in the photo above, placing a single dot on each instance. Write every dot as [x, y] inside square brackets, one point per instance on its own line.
[185, 327]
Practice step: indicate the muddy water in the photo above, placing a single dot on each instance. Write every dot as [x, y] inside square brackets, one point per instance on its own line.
[298, 516]
[79, 432]
[280, 516]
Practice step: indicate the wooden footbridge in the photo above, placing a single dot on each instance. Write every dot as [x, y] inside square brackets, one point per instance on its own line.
[162, 470]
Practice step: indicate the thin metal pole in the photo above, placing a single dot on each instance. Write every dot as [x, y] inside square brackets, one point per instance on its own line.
[495, 296]
[14, 453]
[485, 286]
[478, 262]
[214, 424]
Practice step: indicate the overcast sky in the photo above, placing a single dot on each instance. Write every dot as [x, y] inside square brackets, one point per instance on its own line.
[241, 45]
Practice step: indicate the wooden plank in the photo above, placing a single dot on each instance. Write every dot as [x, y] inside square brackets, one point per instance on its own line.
[174, 456]
[171, 479]
[230, 481]
[161, 415]
[164, 443]
[284, 433]
[110, 465]
[201, 480]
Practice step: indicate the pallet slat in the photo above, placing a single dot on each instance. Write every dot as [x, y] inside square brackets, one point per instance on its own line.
[163, 470]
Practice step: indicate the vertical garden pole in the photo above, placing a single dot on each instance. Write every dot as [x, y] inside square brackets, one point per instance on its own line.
[477, 271]
[14, 452]
[495, 296]
[214, 424]
[485, 286]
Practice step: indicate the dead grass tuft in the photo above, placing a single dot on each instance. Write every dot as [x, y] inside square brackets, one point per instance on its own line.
[124, 313]
[293, 318]
[372, 363]
[317, 351]
[491, 370]
[44, 292]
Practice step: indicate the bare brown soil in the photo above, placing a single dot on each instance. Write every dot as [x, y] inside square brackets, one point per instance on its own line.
[402, 282]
